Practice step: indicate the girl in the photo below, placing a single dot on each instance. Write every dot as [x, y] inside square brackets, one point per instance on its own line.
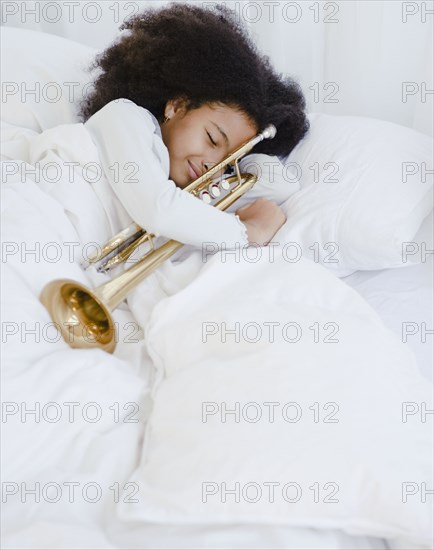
[177, 92]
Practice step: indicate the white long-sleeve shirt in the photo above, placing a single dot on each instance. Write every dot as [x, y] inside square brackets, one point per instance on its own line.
[136, 165]
[135, 162]
[99, 206]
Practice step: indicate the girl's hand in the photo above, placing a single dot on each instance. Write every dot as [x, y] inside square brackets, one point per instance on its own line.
[262, 218]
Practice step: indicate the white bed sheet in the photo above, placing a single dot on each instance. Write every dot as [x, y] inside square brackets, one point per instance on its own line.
[398, 296]
[403, 298]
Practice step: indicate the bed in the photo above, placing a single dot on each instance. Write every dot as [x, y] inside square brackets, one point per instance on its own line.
[131, 450]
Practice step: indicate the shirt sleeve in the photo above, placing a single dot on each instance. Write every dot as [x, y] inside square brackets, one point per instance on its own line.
[136, 163]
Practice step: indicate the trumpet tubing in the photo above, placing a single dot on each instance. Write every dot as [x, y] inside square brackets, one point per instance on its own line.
[84, 315]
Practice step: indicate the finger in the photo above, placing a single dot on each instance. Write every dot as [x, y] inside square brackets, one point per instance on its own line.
[244, 207]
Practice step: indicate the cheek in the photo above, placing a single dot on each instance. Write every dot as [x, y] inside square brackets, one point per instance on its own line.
[178, 143]
[192, 139]
[186, 141]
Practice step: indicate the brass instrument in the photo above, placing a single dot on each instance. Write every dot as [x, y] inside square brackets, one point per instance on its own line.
[83, 315]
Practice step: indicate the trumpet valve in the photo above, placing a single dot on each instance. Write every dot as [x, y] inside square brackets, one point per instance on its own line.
[225, 185]
[205, 196]
[214, 190]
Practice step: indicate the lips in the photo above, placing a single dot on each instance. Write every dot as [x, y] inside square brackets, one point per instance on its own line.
[193, 171]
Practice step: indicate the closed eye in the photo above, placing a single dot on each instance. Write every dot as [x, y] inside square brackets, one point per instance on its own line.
[211, 140]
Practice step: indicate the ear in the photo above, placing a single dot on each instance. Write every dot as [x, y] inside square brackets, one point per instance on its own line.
[175, 105]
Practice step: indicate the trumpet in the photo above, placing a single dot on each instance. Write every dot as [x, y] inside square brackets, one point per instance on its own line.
[83, 315]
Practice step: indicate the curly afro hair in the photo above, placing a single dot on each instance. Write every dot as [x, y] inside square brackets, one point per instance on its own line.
[203, 55]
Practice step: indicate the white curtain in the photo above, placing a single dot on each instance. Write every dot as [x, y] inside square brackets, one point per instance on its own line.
[365, 57]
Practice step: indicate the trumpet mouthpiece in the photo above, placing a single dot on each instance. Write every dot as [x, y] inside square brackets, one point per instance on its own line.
[269, 132]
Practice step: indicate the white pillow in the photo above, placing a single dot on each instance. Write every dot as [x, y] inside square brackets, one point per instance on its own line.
[52, 66]
[365, 191]
[357, 461]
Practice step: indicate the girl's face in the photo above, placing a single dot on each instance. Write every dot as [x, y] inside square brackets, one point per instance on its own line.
[198, 139]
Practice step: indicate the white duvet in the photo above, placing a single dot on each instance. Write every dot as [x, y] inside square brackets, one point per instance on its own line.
[347, 445]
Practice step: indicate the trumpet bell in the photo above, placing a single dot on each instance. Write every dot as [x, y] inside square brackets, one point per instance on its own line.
[80, 315]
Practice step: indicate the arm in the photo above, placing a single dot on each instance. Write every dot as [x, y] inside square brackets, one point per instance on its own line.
[125, 133]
